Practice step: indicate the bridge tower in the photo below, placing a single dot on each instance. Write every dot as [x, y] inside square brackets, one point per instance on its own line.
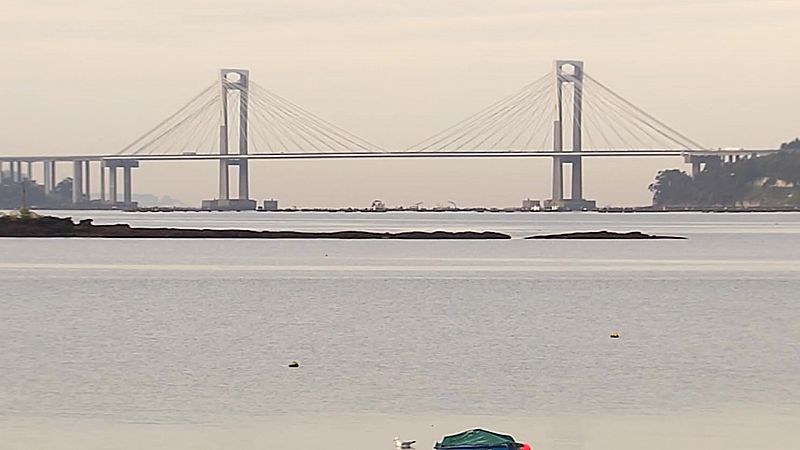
[232, 82]
[568, 74]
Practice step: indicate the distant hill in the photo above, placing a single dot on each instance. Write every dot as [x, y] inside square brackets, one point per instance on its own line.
[150, 200]
[772, 180]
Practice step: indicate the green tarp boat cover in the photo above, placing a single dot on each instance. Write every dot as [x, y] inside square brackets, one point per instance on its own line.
[477, 439]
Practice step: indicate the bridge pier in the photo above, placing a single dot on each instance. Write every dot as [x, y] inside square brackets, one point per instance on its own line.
[577, 178]
[233, 80]
[87, 188]
[102, 181]
[12, 172]
[127, 181]
[46, 176]
[112, 185]
[127, 197]
[77, 182]
[701, 162]
[53, 176]
[568, 72]
[224, 184]
[558, 179]
[696, 168]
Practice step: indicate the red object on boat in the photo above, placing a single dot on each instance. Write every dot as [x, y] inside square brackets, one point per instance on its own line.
[525, 446]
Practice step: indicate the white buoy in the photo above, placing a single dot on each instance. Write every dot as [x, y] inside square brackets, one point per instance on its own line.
[403, 444]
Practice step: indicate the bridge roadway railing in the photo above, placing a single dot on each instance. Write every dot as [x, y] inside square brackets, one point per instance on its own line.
[449, 154]
[389, 154]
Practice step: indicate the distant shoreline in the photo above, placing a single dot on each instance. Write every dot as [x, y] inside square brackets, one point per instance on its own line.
[605, 210]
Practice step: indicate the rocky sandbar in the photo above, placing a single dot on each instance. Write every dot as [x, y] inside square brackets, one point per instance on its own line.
[57, 227]
[604, 234]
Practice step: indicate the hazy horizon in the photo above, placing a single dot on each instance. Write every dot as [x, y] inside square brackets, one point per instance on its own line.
[92, 77]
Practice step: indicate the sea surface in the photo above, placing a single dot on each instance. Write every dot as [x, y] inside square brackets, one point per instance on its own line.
[184, 344]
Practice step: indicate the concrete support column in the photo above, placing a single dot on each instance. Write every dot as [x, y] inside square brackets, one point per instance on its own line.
[569, 73]
[558, 163]
[244, 182]
[102, 181]
[112, 185]
[126, 185]
[577, 178]
[46, 174]
[77, 182]
[577, 131]
[87, 189]
[233, 81]
[53, 176]
[558, 179]
[224, 186]
[696, 168]
[224, 192]
[2, 175]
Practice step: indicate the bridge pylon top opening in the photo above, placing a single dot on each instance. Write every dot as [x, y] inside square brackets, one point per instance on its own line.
[234, 78]
[568, 69]
[569, 62]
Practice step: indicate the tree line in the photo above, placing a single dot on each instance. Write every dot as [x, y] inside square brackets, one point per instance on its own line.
[15, 195]
[771, 180]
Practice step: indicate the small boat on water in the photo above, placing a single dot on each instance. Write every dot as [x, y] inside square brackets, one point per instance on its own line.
[403, 444]
[479, 439]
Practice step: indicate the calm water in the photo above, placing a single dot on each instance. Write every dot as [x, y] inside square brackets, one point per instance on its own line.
[142, 344]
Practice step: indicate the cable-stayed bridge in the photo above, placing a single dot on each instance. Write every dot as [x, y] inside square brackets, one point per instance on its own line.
[565, 115]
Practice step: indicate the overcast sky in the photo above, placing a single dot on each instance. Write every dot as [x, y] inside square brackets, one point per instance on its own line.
[91, 76]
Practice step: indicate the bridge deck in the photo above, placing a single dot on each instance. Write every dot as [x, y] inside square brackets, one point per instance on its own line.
[393, 154]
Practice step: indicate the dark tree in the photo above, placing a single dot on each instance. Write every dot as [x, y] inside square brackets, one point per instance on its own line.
[791, 145]
[770, 180]
[673, 187]
[63, 190]
[11, 194]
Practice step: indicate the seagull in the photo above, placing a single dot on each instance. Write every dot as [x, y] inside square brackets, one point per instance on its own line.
[403, 444]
